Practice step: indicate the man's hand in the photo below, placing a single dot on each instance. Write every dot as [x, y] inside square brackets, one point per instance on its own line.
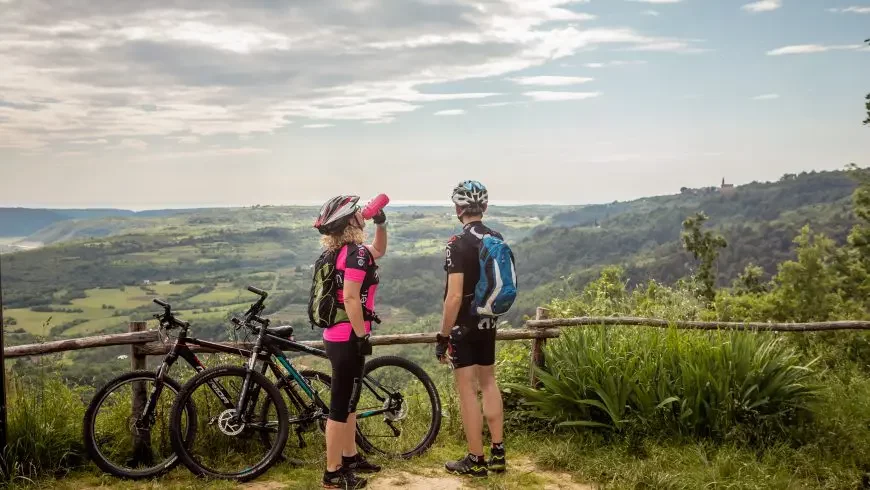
[442, 347]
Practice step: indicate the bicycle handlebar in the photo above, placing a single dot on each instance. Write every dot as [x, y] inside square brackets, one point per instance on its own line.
[257, 291]
[161, 303]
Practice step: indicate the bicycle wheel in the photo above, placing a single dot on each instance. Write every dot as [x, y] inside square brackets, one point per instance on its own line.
[399, 411]
[120, 446]
[303, 419]
[225, 446]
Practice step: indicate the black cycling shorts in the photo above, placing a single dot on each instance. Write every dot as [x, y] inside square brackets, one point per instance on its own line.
[470, 346]
[347, 369]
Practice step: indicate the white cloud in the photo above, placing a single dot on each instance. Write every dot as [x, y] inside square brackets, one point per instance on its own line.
[853, 10]
[815, 48]
[766, 97]
[132, 144]
[450, 112]
[551, 81]
[762, 6]
[657, 1]
[501, 104]
[127, 70]
[651, 13]
[615, 63]
[101, 141]
[318, 126]
[547, 96]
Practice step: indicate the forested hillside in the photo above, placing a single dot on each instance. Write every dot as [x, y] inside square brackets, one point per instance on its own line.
[759, 222]
[103, 273]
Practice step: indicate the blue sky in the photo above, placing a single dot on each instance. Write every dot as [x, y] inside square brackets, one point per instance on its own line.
[226, 102]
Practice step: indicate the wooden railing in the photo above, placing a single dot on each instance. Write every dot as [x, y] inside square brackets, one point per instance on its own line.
[147, 342]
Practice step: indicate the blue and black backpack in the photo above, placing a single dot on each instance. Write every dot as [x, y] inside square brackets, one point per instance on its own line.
[497, 287]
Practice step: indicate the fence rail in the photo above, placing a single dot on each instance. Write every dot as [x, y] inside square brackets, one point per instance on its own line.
[695, 325]
[148, 343]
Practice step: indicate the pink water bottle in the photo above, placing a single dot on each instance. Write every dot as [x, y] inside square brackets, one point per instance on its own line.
[375, 205]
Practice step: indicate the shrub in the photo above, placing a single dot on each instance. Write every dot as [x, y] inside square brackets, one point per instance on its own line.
[697, 383]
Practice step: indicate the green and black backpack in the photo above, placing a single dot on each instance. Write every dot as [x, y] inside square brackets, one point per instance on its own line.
[324, 309]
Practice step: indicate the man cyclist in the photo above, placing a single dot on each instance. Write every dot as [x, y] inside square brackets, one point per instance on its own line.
[467, 340]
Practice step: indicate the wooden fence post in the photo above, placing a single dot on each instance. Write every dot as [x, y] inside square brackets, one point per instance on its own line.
[141, 440]
[537, 355]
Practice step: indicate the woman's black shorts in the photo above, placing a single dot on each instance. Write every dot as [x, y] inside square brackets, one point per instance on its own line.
[347, 369]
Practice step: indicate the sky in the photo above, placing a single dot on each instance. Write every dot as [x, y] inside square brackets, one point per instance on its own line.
[171, 103]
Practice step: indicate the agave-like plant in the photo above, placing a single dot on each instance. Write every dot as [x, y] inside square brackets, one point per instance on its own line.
[700, 383]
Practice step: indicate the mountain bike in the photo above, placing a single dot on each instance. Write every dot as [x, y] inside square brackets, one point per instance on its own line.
[133, 442]
[400, 404]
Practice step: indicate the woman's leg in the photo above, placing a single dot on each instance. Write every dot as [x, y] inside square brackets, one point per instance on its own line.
[341, 386]
[334, 443]
[349, 437]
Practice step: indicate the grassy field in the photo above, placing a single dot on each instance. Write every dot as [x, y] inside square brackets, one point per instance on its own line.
[224, 293]
[97, 318]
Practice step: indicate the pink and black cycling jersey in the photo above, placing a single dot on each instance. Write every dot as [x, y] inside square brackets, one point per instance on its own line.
[354, 263]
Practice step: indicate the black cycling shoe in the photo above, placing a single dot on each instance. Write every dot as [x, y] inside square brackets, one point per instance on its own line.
[359, 464]
[342, 478]
[469, 465]
[497, 461]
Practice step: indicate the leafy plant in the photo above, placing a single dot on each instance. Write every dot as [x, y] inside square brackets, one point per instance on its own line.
[644, 380]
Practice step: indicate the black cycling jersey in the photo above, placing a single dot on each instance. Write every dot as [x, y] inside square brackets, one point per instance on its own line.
[462, 255]
[472, 339]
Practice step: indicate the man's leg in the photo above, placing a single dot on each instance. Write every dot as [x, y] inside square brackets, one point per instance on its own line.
[465, 375]
[492, 403]
[493, 410]
[472, 421]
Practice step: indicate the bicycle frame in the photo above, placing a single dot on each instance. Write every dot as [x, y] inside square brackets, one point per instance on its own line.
[273, 345]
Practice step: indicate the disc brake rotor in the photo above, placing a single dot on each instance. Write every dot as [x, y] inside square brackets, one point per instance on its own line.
[226, 425]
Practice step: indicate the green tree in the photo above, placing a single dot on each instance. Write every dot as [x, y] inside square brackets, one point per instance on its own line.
[854, 261]
[805, 289]
[704, 246]
[750, 281]
[859, 238]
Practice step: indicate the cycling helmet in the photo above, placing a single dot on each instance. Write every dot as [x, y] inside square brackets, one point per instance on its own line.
[470, 196]
[336, 213]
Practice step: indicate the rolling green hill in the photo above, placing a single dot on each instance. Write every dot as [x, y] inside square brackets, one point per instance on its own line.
[203, 259]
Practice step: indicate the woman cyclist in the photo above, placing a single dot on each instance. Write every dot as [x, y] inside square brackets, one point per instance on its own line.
[347, 340]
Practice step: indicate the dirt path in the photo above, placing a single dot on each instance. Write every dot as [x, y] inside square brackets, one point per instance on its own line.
[521, 474]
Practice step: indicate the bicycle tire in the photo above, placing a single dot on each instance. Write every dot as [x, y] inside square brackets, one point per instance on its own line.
[431, 390]
[89, 421]
[248, 473]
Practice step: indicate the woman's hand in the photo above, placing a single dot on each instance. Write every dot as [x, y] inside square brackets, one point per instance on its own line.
[379, 247]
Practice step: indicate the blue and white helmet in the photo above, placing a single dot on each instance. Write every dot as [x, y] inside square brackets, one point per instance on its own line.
[470, 196]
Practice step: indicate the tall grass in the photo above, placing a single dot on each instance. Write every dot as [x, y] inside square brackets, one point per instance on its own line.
[701, 384]
[44, 421]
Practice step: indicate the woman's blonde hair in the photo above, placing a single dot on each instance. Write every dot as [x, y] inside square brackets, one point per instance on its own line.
[351, 234]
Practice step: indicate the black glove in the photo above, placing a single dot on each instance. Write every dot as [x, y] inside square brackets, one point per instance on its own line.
[443, 345]
[364, 346]
[380, 218]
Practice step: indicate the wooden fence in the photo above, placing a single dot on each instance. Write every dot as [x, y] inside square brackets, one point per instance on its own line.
[146, 343]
